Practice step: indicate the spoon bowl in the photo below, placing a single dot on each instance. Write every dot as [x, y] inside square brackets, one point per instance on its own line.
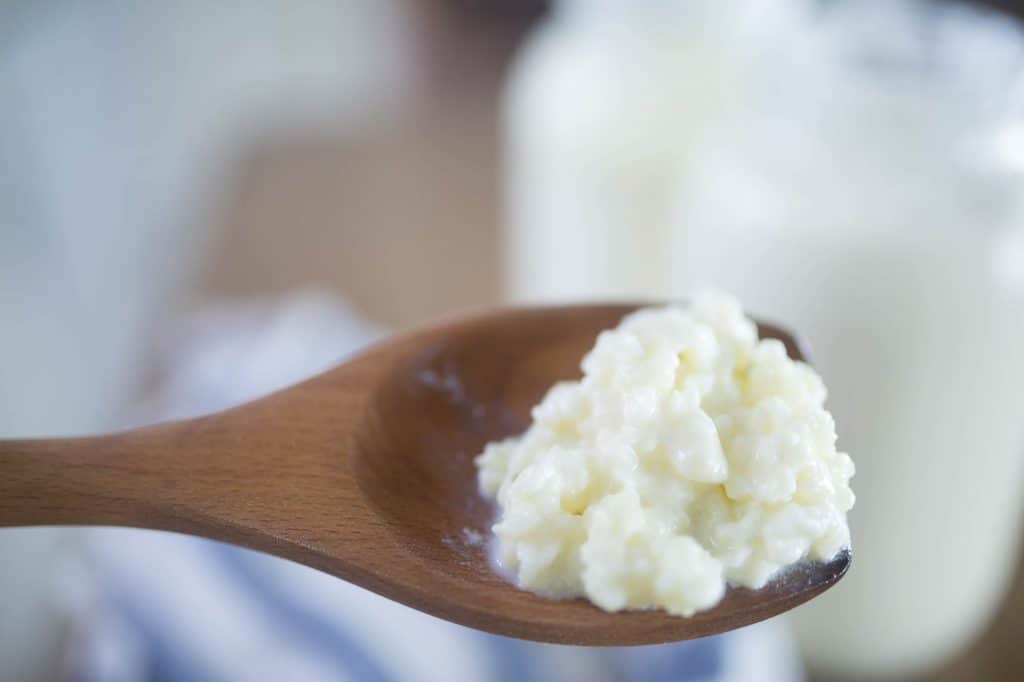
[367, 472]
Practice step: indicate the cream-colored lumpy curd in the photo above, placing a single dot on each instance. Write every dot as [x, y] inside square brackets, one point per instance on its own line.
[690, 455]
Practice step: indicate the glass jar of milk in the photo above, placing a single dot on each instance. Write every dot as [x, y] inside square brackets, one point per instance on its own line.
[605, 107]
[880, 214]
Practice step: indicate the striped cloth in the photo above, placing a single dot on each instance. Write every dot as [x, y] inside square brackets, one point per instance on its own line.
[145, 605]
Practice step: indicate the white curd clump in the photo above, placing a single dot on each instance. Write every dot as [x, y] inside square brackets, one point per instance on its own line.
[690, 455]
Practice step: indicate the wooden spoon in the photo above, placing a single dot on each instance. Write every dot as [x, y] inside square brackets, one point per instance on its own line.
[366, 472]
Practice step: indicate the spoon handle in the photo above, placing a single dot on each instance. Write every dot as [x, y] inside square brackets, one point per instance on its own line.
[151, 477]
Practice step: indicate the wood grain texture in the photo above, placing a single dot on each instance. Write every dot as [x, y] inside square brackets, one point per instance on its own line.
[366, 472]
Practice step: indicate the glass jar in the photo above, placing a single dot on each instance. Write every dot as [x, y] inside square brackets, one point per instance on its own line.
[873, 204]
[604, 109]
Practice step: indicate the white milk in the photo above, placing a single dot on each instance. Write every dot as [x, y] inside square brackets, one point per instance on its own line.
[856, 208]
[604, 109]
[877, 222]
[919, 340]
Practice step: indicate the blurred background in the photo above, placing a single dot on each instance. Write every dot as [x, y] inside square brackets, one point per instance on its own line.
[200, 202]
